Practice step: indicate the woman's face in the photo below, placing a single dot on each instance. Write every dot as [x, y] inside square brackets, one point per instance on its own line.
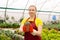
[32, 10]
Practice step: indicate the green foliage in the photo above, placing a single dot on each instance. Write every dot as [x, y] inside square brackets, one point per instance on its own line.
[15, 25]
[50, 34]
[8, 35]
[19, 32]
[3, 36]
[52, 26]
[9, 25]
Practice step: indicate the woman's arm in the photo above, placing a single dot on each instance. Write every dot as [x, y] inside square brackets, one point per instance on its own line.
[39, 25]
[37, 32]
[22, 23]
[21, 28]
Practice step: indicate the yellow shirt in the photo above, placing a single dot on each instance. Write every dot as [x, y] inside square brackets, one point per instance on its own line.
[37, 21]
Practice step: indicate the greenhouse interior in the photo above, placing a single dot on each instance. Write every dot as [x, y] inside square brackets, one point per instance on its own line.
[13, 12]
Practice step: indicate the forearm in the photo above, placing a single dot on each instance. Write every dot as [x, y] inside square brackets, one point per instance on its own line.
[37, 32]
[21, 28]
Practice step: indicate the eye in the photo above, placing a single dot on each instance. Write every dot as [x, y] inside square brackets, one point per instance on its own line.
[29, 9]
[33, 10]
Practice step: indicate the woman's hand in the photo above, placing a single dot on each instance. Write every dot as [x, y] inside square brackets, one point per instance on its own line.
[38, 33]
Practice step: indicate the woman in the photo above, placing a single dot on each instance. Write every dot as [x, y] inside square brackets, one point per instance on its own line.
[35, 22]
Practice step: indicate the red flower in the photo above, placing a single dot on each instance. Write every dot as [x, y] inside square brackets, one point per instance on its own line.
[28, 28]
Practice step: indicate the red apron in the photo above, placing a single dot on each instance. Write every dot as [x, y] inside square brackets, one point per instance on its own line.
[28, 35]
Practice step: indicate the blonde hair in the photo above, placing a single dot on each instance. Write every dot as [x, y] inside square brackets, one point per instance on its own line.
[33, 6]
